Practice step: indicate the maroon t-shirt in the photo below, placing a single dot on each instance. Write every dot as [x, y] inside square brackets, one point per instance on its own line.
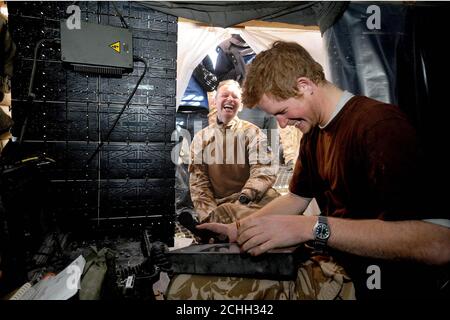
[364, 164]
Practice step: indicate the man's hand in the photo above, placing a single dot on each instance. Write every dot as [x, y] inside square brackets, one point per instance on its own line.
[229, 230]
[231, 198]
[243, 199]
[257, 235]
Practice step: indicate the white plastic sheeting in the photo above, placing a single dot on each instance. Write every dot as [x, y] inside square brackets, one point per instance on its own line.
[194, 42]
[260, 39]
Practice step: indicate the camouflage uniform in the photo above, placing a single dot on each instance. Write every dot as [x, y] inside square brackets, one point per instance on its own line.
[212, 114]
[317, 278]
[290, 140]
[229, 160]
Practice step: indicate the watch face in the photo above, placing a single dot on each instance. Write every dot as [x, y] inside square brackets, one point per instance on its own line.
[322, 231]
[243, 199]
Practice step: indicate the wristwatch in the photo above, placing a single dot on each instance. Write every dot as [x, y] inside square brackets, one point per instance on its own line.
[244, 199]
[321, 232]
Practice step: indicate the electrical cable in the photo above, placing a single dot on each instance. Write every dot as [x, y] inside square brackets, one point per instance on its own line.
[124, 23]
[135, 59]
[31, 95]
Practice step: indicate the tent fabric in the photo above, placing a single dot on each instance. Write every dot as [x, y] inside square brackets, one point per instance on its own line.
[230, 13]
[194, 42]
[261, 39]
[364, 60]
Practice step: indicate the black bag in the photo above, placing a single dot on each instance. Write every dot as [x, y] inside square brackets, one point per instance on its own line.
[204, 75]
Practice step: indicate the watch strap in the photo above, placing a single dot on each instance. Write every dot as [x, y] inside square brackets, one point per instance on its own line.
[320, 245]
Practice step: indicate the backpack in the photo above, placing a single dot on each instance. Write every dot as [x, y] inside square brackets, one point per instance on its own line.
[205, 76]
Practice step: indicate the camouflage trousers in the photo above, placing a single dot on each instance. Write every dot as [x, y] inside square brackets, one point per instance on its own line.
[229, 209]
[320, 277]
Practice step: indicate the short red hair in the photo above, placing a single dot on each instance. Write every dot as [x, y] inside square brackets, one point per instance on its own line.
[275, 72]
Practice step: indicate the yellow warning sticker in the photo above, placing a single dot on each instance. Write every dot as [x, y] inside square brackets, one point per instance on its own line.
[116, 46]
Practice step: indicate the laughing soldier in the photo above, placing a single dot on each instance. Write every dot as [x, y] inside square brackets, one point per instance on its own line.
[231, 170]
